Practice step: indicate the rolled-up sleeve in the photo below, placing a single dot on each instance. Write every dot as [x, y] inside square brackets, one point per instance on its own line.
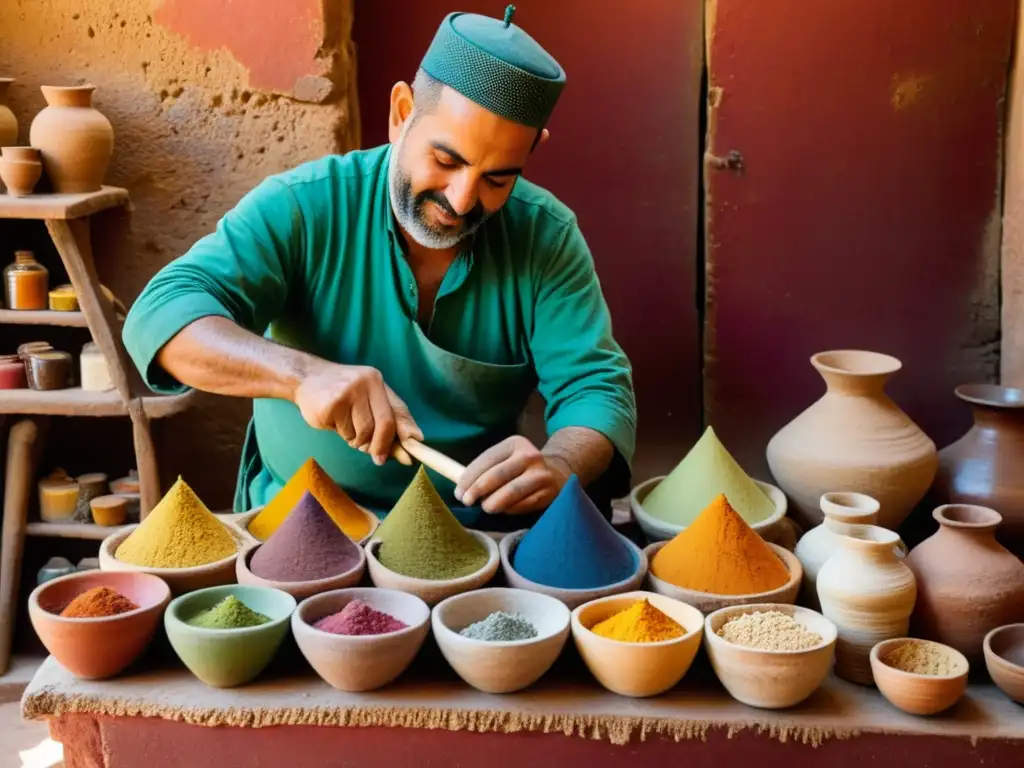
[584, 376]
[241, 271]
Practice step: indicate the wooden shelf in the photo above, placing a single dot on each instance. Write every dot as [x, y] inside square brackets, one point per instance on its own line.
[42, 317]
[71, 530]
[78, 402]
[61, 206]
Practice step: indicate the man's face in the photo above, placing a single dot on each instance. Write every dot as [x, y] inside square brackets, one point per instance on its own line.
[453, 167]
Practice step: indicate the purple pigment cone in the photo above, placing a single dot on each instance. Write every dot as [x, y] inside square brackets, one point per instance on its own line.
[307, 546]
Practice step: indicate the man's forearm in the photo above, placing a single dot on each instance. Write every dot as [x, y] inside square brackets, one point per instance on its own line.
[213, 354]
[584, 452]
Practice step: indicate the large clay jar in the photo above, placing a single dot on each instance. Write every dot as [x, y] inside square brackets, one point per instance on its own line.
[854, 439]
[868, 593]
[984, 466]
[8, 123]
[75, 139]
[968, 583]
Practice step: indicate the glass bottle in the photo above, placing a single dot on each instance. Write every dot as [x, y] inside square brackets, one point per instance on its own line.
[26, 282]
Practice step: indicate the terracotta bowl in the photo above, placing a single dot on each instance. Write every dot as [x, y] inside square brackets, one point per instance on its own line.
[361, 662]
[224, 658]
[429, 590]
[180, 580]
[300, 590]
[708, 602]
[1004, 658]
[571, 597]
[501, 666]
[637, 669]
[770, 679]
[242, 520]
[104, 646]
[915, 693]
[656, 529]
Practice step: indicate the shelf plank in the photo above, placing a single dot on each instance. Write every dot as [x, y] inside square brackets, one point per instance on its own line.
[42, 317]
[61, 206]
[78, 402]
[71, 530]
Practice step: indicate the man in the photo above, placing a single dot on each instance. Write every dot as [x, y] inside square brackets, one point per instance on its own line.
[422, 289]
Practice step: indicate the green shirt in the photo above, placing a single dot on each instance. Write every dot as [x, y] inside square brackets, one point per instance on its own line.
[312, 258]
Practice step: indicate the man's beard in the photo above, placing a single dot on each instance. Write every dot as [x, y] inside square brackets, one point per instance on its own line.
[409, 210]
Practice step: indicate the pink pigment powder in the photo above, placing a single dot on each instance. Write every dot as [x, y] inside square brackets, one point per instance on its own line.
[357, 618]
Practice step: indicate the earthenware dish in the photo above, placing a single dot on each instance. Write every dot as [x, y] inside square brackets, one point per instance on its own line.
[361, 662]
[98, 647]
[915, 693]
[501, 666]
[636, 669]
[1004, 658]
[764, 678]
[300, 590]
[242, 521]
[224, 658]
[571, 597]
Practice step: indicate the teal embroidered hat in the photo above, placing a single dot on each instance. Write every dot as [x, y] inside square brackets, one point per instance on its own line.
[496, 64]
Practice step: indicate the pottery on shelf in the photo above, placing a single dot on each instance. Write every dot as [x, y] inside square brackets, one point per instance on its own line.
[842, 511]
[853, 438]
[968, 583]
[983, 466]
[75, 139]
[869, 593]
[8, 122]
[20, 169]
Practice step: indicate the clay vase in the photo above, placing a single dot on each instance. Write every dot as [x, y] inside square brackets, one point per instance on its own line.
[968, 582]
[843, 512]
[853, 439]
[868, 593]
[75, 139]
[20, 169]
[8, 122]
[983, 466]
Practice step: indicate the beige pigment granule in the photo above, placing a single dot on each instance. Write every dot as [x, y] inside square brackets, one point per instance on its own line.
[769, 631]
[922, 659]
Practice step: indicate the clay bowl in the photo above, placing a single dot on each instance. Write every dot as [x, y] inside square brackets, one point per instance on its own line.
[501, 666]
[1004, 658]
[224, 658]
[636, 669]
[571, 597]
[103, 646]
[242, 520]
[180, 580]
[300, 590]
[915, 693]
[433, 591]
[770, 679]
[361, 662]
[708, 602]
[659, 530]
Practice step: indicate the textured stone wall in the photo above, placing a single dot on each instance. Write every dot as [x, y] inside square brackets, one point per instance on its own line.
[207, 97]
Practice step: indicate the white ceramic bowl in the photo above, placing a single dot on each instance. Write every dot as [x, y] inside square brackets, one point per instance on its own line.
[708, 602]
[505, 666]
[656, 529]
[361, 662]
[637, 669]
[429, 590]
[915, 693]
[243, 519]
[180, 580]
[300, 590]
[770, 679]
[571, 597]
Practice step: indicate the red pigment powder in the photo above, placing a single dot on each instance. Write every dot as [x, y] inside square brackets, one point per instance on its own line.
[357, 618]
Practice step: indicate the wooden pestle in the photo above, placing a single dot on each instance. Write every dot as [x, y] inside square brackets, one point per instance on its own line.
[437, 461]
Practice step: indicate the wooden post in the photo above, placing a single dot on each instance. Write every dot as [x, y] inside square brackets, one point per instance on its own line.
[145, 457]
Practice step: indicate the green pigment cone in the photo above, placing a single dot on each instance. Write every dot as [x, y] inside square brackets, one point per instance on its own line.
[706, 471]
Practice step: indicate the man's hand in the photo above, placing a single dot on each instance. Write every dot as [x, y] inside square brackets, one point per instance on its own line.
[513, 477]
[354, 401]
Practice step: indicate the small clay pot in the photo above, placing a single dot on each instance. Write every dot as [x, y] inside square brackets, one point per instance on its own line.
[20, 169]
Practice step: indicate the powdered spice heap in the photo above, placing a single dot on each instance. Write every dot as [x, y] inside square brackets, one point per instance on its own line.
[720, 554]
[180, 532]
[229, 613]
[358, 618]
[311, 478]
[923, 658]
[501, 626]
[308, 546]
[96, 602]
[640, 623]
[421, 537]
[769, 631]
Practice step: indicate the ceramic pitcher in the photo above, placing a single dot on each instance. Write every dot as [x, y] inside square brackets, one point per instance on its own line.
[869, 594]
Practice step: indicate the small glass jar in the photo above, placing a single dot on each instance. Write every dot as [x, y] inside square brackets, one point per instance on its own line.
[26, 282]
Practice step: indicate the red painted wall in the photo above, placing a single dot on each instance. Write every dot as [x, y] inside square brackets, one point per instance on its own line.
[623, 154]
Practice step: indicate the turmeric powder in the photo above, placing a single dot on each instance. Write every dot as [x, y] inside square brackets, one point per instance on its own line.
[311, 477]
[720, 554]
[640, 623]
